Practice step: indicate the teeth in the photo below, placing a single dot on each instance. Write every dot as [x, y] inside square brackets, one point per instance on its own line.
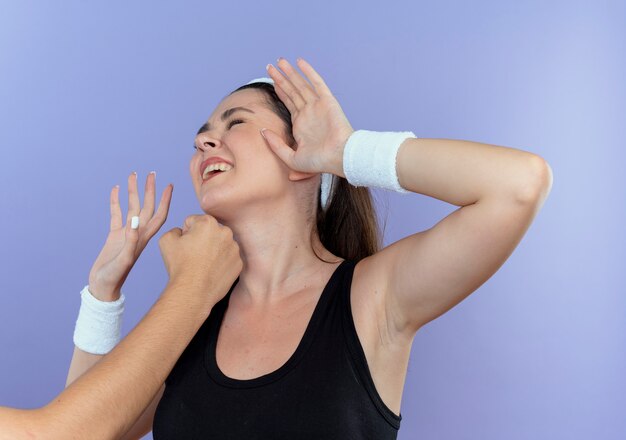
[216, 166]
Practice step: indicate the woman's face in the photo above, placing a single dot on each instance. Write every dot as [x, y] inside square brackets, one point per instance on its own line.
[257, 175]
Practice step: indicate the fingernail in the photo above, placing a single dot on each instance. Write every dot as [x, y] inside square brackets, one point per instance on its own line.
[268, 67]
[134, 222]
[153, 172]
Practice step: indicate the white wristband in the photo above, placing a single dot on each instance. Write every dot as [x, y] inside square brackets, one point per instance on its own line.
[99, 323]
[369, 158]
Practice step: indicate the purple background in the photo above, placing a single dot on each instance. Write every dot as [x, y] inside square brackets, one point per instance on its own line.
[89, 93]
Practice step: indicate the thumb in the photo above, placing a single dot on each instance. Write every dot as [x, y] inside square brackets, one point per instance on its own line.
[279, 147]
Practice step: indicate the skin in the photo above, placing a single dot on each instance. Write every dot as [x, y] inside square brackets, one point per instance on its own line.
[275, 232]
[107, 400]
[271, 221]
[283, 266]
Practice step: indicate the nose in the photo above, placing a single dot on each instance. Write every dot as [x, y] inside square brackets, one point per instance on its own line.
[207, 141]
[205, 145]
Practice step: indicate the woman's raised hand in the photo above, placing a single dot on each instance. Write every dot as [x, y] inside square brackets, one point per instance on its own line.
[124, 244]
[320, 127]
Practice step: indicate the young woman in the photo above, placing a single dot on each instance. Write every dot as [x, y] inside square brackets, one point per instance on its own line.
[313, 338]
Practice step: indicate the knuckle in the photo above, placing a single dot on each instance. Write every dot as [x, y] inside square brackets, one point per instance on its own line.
[164, 235]
[228, 232]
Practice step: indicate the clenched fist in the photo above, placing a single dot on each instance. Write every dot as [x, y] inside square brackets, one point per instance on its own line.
[202, 255]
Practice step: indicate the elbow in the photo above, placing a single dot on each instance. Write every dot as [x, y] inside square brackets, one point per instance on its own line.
[538, 182]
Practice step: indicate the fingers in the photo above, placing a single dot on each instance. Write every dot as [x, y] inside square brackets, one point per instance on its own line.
[291, 91]
[285, 99]
[145, 215]
[177, 232]
[148, 196]
[134, 208]
[164, 206]
[193, 219]
[133, 198]
[292, 88]
[280, 148]
[301, 84]
[320, 85]
[166, 236]
[131, 238]
[116, 211]
[188, 222]
[149, 221]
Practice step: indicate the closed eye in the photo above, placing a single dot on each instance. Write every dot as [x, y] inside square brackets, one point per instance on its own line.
[230, 124]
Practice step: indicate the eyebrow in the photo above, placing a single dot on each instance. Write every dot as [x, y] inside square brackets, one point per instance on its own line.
[225, 115]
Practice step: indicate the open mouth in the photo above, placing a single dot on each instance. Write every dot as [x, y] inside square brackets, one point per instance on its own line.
[212, 174]
[215, 169]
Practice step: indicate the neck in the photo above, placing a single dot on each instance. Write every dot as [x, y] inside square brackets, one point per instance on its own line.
[278, 257]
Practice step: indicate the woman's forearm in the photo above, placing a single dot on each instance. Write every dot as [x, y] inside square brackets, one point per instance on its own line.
[81, 363]
[105, 401]
[462, 172]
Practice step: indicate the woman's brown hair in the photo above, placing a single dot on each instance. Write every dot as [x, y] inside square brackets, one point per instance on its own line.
[349, 226]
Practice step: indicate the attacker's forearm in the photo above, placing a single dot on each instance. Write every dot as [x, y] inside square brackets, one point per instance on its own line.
[104, 402]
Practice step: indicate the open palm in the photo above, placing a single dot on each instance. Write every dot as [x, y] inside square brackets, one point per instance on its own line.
[124, 245]
[320, 127]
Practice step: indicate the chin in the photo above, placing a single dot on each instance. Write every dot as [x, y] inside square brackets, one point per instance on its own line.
[216, 207]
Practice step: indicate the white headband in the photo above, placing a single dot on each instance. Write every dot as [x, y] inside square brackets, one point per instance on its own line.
[328, 179]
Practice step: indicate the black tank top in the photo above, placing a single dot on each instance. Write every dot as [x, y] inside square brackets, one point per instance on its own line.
[324, 390]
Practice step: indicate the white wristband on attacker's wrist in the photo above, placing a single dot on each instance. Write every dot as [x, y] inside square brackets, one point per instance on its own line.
[369, 158]
[99, 324]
